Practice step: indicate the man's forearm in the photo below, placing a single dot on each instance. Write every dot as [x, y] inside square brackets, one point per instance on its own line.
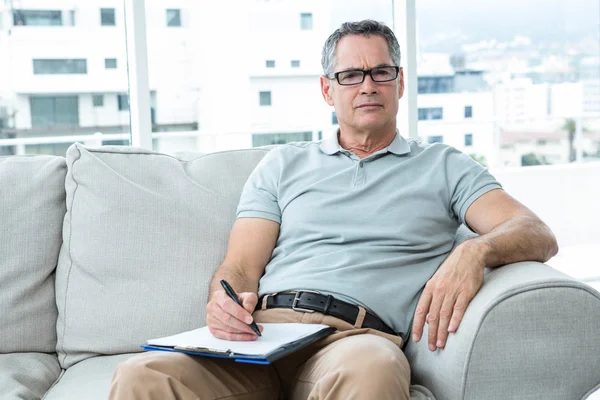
[238, 280]
[522, 238]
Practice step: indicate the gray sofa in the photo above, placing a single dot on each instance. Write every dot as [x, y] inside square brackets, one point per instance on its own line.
[111, 246]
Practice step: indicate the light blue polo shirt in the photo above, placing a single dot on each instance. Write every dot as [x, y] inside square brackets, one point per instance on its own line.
[370, 231]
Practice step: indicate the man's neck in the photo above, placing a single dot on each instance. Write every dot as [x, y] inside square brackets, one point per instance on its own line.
[363, 145]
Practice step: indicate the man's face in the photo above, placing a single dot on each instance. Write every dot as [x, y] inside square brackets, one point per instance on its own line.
[368, 105]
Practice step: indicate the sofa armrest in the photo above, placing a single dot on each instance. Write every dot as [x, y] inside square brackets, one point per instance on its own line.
[530, 333]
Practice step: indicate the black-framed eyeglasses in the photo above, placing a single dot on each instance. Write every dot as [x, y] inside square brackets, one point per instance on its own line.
[357, 76]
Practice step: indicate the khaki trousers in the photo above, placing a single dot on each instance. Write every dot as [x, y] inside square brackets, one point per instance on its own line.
[352, 363]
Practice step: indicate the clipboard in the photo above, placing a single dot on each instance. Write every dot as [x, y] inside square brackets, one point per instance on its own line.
[227, 352]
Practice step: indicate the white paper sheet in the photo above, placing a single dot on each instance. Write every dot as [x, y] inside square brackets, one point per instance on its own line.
[273, 336]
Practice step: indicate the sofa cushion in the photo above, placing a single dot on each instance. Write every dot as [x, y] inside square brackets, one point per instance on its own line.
[27, 376]
[89, 379]
[143, 234]
[32, 208]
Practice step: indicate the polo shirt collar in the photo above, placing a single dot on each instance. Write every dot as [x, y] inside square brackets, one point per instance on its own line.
[331, 145]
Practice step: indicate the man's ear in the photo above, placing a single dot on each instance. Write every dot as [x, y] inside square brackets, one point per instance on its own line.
[401, 83]
[326, 89]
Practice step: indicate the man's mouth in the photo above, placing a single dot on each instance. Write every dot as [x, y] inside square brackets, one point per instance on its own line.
[370, 105]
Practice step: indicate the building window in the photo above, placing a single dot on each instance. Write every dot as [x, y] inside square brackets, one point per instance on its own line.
[98, 100]
[54, 111]
[435, 139]
[72, 17]
[174, 17]
[69, 66]
[468, 139]
[110, 63]
[107, 17]
[435, 84]
[295, 63]
[264, 98]
[334, 120]
[431, 113]
[468, 112]
[270, 63]
[268, 139]
[306, 21]
[123, 102]
[37, 17]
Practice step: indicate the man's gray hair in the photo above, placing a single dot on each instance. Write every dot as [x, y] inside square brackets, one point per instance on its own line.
[364, 28]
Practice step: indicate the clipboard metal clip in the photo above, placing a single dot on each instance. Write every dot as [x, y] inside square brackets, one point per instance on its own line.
[205, 350]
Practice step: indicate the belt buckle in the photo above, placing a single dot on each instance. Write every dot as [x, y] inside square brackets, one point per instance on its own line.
[297, 299]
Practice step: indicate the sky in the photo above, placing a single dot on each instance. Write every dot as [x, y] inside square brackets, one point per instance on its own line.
[486, 19]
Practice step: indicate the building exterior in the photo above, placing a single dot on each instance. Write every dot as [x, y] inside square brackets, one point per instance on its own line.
[65, 67]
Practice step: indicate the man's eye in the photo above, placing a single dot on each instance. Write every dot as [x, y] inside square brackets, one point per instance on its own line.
[382, 73]
[351, 75]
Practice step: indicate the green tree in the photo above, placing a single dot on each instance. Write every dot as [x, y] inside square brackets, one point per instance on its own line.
[480, 159]
[571, 127]
[533, 159]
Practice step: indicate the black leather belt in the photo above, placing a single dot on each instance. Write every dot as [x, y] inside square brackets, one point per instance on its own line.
[309, 301]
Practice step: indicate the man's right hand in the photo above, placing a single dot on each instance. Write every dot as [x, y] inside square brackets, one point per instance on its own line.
[228, 321]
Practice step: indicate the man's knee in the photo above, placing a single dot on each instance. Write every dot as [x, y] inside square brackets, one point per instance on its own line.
[152, 363]
[377, 358]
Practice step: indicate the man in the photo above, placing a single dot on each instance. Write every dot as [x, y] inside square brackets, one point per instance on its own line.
[367, 219]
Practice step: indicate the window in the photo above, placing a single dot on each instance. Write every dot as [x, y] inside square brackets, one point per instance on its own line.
[67, 66]
[123, 102]
[435, 139]
[306, 21]
[54, 110]
[98, 100]
[334, 120]
[468, 139]
[270, 63]
[267, 139]
[173, 17]
[107, 17]
[110, 63]
[468, 112]
[431, 113]
[72, 17]
[435, 84]
[264, 98]
[37, 17]
[295, 63]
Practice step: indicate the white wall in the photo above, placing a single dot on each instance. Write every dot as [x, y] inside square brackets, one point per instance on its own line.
[566, 197]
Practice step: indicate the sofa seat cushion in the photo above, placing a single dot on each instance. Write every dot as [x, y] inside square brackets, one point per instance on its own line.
[32, 208]
[143, 234]
[27, 376]
[89, 379]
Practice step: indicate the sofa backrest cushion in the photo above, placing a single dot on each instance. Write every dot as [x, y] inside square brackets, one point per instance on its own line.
[32, 208]
[143, 234]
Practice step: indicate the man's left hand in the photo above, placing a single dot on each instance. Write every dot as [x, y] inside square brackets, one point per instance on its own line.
[448, 293]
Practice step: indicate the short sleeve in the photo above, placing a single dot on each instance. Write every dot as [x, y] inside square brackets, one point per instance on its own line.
[259, 196]
[467, 181]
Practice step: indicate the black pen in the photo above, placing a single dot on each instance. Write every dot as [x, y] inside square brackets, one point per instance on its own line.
[231, 293]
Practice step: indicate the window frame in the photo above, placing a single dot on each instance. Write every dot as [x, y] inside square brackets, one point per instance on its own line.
[103, 16]
[170, 20]
[75, 62]
[96, 103]
[260, 98]
[106, 66]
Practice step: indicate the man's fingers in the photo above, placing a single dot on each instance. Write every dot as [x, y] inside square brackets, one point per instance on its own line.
[232, 321]
[421, 314]
[225, 335]
[232, 308]
[249, 300]
[458, 313]
[445, 315]
[433, 319]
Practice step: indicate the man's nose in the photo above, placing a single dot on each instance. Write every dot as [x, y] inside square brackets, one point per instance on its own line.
[368, 86]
